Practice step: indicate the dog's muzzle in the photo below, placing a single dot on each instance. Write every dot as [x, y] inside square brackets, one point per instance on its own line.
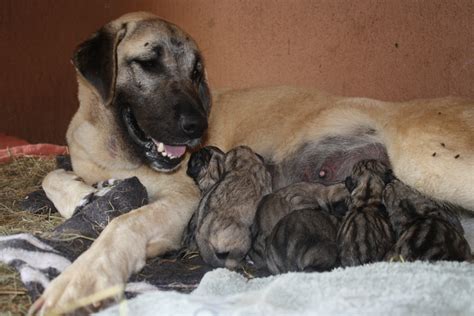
[160, 156]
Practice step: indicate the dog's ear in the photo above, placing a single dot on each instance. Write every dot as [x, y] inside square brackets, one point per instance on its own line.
[204, 93]
[96, 60]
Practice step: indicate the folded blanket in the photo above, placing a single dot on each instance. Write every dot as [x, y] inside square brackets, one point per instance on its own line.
[419, 288]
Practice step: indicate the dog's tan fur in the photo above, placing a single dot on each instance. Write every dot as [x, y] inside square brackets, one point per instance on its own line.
[273, 122]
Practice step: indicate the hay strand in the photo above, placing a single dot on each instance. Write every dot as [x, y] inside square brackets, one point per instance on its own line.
[18, 178]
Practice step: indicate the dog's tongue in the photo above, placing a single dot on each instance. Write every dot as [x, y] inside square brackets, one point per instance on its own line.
[176, 151]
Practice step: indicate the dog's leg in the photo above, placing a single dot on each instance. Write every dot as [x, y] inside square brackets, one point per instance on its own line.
[66, 190]
[148, 231]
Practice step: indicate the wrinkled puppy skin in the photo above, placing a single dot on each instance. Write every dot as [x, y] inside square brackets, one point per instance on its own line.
[365, 234]
[227, 208]
[304, 240]
[304, 195]
[426, 229]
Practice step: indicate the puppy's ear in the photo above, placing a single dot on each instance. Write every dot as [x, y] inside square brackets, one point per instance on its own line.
[260, 157]
[350, 185]
[96, 60]
[388, 176]
[216, 151]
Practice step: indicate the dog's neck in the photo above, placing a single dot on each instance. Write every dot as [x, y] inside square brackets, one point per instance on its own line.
[92, 135]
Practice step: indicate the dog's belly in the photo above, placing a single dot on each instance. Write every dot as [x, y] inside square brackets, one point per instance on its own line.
[327, 161]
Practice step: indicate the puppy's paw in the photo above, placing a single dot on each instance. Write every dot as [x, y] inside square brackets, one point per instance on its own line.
[106, 184]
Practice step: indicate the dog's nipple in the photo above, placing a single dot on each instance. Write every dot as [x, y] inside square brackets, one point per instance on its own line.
[322, 173]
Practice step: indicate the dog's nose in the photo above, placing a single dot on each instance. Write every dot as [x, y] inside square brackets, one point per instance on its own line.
[193, 125]
[222, 255]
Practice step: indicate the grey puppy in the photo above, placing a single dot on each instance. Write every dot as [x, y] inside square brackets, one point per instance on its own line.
[304, 195]
[232, 186]
[426, 229]
[304, 240]
[205, 167]
[365, 234]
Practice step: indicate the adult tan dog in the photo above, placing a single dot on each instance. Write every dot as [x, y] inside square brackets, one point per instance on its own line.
[143, 98]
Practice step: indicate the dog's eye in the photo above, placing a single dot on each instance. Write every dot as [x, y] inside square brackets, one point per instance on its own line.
[197, 71]
[146, 63]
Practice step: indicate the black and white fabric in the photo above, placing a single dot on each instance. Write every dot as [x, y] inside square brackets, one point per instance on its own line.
[39, 259]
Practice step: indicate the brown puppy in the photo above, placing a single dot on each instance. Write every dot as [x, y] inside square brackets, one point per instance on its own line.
[227, 208]
[142, 86]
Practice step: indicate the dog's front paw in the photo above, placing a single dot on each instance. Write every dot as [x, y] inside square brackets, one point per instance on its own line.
[89, 284]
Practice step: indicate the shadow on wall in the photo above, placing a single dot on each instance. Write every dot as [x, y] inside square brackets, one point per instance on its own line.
[392, 50]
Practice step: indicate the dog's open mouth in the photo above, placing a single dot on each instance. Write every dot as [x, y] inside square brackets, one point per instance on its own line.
[160, 156]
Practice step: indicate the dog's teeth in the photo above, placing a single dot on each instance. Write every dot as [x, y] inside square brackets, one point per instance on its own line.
[161, 147]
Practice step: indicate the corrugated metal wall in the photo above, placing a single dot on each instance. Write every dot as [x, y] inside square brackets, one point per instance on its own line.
[392, 50]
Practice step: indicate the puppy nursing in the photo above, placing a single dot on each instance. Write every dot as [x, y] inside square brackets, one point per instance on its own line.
[304, 240]
[278, 206]
[232, 185]
[365, 234]
[370, 217]
[425, 229]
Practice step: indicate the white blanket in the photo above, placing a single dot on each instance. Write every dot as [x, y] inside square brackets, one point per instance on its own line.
[444, 288]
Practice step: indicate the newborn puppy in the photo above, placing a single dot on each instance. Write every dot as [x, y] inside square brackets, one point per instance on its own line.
[304, 240]
[304, 195]
[365, 234]
[205, 167]
[426, 229]
[232, 185]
